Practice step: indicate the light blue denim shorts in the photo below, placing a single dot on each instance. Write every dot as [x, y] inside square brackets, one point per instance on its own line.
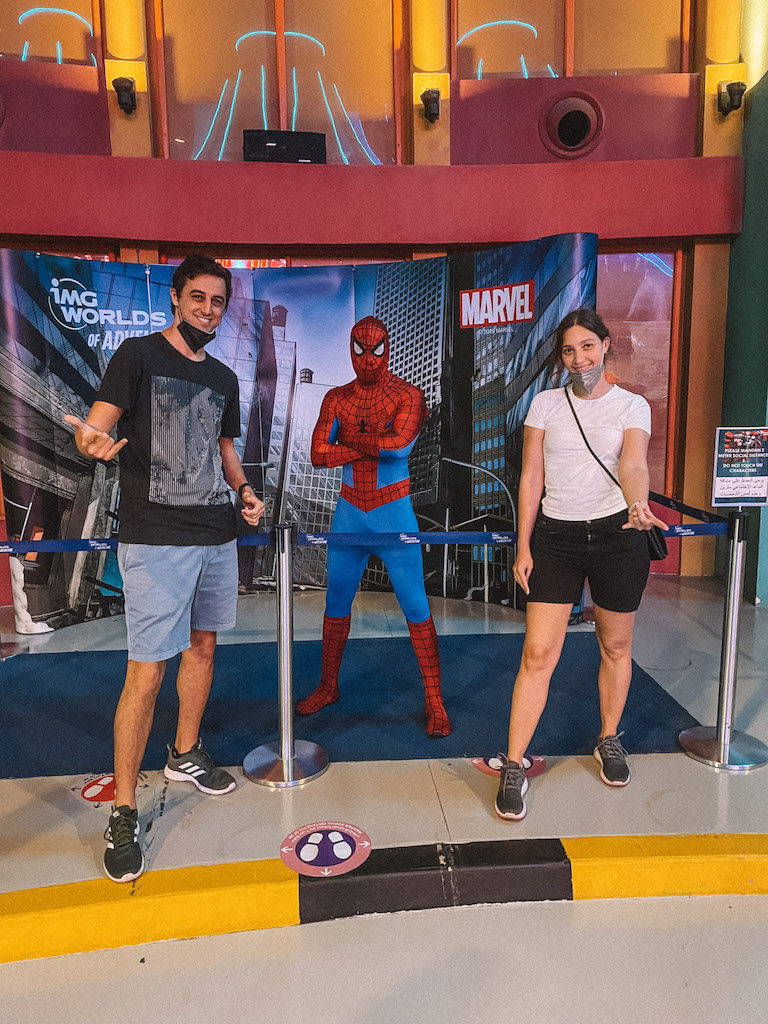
[170, 590]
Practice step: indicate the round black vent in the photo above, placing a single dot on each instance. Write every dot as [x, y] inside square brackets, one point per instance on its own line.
[571, 126]
[574, 128]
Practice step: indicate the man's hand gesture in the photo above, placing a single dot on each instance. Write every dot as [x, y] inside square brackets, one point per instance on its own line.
[96, 444]
[253, 507]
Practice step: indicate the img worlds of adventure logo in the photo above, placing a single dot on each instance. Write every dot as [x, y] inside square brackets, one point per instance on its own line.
[74, 308]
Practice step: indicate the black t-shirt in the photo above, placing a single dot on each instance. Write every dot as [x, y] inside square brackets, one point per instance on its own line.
[173, 489]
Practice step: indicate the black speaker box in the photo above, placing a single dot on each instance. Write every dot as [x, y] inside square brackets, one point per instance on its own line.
[283, 147]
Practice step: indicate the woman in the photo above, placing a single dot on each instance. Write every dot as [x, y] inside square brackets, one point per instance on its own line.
[587, 528]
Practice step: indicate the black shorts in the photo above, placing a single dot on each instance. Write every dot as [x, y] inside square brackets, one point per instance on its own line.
[615, 561]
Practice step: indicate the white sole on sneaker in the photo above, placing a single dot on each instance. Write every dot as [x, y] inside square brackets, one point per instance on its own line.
[514, 817]
[615, 785]
[172, 775]
[125, 878]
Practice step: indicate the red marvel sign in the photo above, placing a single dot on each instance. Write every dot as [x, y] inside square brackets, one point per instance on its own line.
[505, 304]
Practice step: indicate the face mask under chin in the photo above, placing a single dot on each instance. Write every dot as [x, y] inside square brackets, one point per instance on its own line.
[195, 337]
[589, 379]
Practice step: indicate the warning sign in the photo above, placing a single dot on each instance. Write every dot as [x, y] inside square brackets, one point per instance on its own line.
[325, 848]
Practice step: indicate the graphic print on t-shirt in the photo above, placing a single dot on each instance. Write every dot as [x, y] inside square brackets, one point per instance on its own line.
[186, 462]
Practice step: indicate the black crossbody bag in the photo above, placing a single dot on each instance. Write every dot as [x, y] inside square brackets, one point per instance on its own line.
[657, 544]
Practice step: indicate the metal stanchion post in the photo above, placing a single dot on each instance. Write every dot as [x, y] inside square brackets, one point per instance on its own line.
[445, 555]
[723, 747]
[289, 762]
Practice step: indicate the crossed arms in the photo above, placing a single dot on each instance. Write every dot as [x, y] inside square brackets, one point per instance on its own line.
[333, 446]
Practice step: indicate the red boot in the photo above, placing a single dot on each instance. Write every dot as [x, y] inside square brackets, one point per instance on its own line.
[335, 633]
[424, 640]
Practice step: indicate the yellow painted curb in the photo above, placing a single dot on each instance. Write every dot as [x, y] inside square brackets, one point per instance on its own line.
[629, 866]
[176, 904]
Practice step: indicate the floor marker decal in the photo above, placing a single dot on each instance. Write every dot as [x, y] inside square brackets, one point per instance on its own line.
[325, 848]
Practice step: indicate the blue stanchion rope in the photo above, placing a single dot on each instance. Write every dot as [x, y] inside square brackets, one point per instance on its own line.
[262, 540]
[687, 510]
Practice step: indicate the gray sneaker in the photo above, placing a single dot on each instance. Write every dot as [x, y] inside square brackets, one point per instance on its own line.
[123, 859]
[196, 766]
[512, 787]
[614, 770]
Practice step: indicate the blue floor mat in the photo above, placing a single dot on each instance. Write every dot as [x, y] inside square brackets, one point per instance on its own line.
[57, 709]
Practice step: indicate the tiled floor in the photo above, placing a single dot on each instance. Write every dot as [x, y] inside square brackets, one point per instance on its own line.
[51, 835]
[651, 961]
[546, 963]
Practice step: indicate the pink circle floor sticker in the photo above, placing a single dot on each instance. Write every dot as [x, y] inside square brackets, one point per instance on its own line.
[491, 765]
[325, 848]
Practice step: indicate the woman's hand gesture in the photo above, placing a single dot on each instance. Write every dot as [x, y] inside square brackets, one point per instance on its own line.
[521, 570]
[641, 518]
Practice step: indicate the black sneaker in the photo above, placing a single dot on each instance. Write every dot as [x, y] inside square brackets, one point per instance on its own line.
[614, 770]
[123, 859]
[196, 766]
[512, 787]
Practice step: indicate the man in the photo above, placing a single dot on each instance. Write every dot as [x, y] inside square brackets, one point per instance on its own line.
[177, 412]
[369, 426]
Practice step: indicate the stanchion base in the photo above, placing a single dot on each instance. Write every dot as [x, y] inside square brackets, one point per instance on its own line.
[265, 766]
[745, 751]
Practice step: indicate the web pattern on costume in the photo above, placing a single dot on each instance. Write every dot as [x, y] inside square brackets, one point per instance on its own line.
[369, 427]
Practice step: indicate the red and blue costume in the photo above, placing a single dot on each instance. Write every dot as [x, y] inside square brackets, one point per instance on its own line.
[369, 427]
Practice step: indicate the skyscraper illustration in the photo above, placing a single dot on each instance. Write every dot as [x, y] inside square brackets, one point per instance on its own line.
[310, 493]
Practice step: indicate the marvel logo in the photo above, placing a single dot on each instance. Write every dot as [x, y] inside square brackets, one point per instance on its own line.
[507, 304]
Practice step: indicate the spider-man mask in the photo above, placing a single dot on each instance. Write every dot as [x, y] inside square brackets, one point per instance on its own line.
[369, 348]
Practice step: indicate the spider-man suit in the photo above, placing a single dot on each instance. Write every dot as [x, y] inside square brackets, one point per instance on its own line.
[369, 427]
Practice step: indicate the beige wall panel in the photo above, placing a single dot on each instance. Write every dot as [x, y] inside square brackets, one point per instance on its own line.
[721, 134]
[614, 36]
[132, 254]
[705, 394]
[130, 134]
[716, 32]
[432, 142]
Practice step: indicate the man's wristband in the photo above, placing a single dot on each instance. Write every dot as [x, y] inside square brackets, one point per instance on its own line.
[242, 487]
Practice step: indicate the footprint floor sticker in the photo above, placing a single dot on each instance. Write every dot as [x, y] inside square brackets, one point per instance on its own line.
[325, 848]
[491, 765]
[99, 790]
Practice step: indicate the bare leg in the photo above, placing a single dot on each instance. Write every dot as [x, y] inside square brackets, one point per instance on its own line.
[193, 685]
[545, 626]
[133, 720]
[614, 635]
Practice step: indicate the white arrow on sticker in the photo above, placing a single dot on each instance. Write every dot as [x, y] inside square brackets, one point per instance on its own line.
[326, 871]
[286, 849]
[365, 844]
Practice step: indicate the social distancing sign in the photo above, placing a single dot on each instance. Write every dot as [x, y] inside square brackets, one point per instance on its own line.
[325, 848]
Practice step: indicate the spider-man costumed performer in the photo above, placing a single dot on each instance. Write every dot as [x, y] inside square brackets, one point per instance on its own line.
[369, 427]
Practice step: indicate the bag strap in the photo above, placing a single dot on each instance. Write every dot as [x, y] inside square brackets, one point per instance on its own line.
[586, 442]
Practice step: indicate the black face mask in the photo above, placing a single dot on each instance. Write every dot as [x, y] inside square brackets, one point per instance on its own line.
[195, 337]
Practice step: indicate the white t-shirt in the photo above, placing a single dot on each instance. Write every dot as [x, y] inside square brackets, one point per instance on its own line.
[576, 487]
